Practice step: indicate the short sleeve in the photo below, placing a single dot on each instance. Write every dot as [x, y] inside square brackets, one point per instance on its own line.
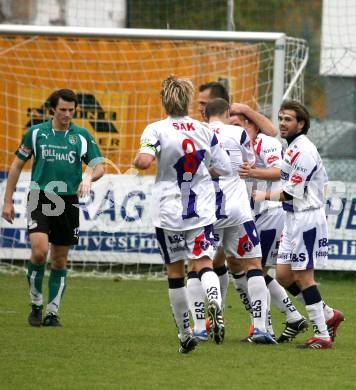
[149, 142]
[93, 155]
[25, 149]
[303, 166]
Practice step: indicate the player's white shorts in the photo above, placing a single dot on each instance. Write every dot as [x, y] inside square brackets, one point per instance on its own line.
[269, 225]
[183, 245]
[240, 241]
[304, 241]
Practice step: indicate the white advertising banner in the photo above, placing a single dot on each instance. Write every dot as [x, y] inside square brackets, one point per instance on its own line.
[115, 223]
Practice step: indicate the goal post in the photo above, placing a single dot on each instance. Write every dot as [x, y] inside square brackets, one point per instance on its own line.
[117, 74]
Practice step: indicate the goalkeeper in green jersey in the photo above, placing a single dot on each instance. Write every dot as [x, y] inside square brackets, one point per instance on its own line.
[58, 148]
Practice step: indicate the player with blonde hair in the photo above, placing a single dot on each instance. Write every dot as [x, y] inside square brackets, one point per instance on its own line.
[187, 154]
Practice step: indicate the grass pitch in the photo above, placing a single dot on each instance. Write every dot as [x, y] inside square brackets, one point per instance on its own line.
[120, 335]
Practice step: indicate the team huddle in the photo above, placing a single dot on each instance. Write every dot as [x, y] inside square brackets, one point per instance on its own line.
[227, 200]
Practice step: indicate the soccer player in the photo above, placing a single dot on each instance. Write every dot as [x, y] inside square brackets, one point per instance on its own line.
[207, 92]
[269, 220]
[235, 229]
[187, 154]
[195, 291]
[58, 148]
[304, 242]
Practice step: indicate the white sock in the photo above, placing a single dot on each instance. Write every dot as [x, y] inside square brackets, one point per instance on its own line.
[36, 296]
[257, 291]
[211, 286]
[280, 299]
[328, 311]
[240, 284]
[224, 284]
[196, 300]
[179, 305]
[269, 326]
[317, 318]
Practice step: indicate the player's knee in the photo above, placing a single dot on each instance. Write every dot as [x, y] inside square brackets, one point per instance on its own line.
[235, 265]
[304, 280]
[285, 279]
[254, 263]
[190, 266]
[39, 255]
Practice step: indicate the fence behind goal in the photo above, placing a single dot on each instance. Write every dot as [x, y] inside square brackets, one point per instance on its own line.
[117, 77]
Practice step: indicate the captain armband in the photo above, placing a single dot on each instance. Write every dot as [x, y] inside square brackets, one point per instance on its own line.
[147, 146]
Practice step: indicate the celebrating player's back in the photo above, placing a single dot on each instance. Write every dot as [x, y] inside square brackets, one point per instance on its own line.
[183, 185]
[187, 153]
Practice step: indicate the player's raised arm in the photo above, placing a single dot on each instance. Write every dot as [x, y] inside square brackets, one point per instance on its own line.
[270, 154]
[261, 121]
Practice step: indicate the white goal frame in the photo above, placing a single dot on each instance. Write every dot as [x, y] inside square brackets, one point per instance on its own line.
[283, 84]
[278, 38]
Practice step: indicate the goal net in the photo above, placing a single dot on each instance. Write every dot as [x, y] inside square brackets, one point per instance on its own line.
[117, 76]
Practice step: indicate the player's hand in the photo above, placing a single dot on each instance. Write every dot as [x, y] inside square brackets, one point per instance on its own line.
[245, 170]
[8, 212]
[258, 196]
[84, 187]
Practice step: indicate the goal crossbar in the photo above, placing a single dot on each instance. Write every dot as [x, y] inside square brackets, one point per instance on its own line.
[278, 38]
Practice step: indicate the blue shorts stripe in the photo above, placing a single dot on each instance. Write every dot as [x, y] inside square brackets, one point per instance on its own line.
[309, 240]
[267, 238]
[162, 243]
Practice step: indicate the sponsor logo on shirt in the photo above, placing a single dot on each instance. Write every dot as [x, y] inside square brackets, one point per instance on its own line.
[272, 158]
[270, 150]
[300, 169]
[296, 179]
[52, 154]
[284, 175]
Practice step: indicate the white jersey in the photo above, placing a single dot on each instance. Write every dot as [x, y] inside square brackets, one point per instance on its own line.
[183, 194]
[268, 155]
[232, 203]
[303, 176]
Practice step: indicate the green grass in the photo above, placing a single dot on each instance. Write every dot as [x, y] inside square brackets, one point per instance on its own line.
[120, 335]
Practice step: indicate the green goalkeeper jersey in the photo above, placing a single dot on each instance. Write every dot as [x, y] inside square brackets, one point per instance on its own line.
[57, 156]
